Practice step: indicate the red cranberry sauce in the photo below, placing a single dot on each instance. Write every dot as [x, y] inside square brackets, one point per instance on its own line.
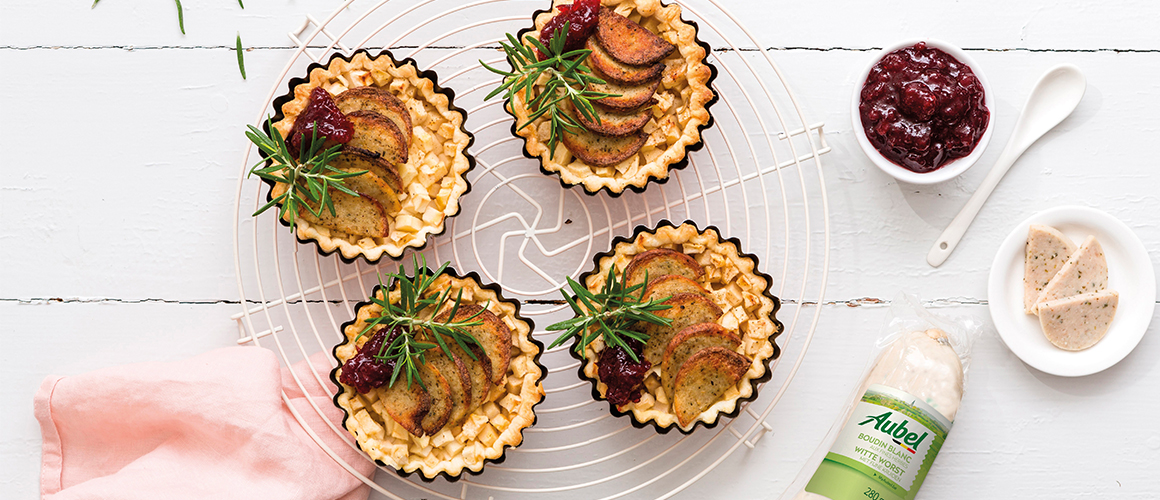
[624, 377]
[583, 15]
[922, 108]
[320, 109]
[363, 371]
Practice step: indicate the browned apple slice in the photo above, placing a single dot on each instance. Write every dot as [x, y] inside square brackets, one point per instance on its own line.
[690, 341]
[600, 150]
[440, 393]
[406, 405]
[703, 379]
[629, 42]
[660, 262]
[380, 101]
[687, 309]
[628, 96]
[458, 380]
[625, 74]
[359, 215]
[616, 123]
[668, 285]
[377, 136]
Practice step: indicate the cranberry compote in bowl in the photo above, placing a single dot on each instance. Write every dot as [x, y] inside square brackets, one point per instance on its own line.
[922, 111]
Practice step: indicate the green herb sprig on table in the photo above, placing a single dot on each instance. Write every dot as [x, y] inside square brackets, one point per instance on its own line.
[609, 313]
[568, 81]
[415, 313]
[308, 176]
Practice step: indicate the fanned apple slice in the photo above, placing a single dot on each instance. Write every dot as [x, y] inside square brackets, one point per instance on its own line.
[629, 42]
[406, 405]
[440, 392]
[627, 96]
[380, 101]
[616, 123]
[599, 150]
[625, 74]
[660, 262]
[687, 309]
[690, 341]
[377, 136]
[359, 215]
[703, 379]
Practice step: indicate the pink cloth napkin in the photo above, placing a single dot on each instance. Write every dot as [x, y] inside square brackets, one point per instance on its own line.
[213, 426]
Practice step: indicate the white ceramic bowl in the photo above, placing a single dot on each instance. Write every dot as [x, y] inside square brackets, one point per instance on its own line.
[1129, 272]
[949, 170]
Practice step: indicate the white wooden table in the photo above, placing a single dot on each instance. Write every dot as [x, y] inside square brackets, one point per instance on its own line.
[120, 139]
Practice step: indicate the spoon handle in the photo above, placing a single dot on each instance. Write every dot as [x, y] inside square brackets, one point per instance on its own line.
[950, 237]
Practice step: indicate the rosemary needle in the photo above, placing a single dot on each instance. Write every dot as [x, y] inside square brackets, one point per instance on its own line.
[180, 17]
[241, 60]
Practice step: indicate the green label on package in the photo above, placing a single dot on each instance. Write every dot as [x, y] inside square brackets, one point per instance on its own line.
[885, 449]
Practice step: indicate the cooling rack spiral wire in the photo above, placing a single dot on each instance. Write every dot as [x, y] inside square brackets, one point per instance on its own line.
[292, 298]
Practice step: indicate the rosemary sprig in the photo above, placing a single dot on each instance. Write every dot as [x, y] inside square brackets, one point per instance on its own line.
[308, 176]
[610, 313]
[415, 313]
[568, 80]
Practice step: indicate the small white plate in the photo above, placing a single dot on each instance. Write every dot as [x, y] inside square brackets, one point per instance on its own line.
[1129, 273]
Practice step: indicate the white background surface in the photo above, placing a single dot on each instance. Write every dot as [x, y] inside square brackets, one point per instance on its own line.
[120, 139]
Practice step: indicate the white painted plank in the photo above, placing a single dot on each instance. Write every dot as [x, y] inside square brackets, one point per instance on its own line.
[1037, 24]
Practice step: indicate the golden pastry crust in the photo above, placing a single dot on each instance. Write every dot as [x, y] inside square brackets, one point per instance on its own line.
[734, 284]
[499, 422]
[679, 115]
[435, 174]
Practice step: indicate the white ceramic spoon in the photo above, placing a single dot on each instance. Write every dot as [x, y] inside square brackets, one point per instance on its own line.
[1054, 97]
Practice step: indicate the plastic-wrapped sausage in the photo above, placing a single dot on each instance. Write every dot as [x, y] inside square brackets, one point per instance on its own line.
[906, 404]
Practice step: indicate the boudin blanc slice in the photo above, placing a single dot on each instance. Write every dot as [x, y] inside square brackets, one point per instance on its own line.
[687, 309]
[690, 341]
[380, 101]
[1046, 251]
[406, 405]
[1085, 271]
[703, 379]
[458, 380]
[494, 337]
[478, 364]
[377, 136]
[440, 392]
[599, 150]
[615, 122]
[359, 215]
[1078, 322]
[627, 96]
[625, 74]
[661, 287]
[660, 262]
[629, 42]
